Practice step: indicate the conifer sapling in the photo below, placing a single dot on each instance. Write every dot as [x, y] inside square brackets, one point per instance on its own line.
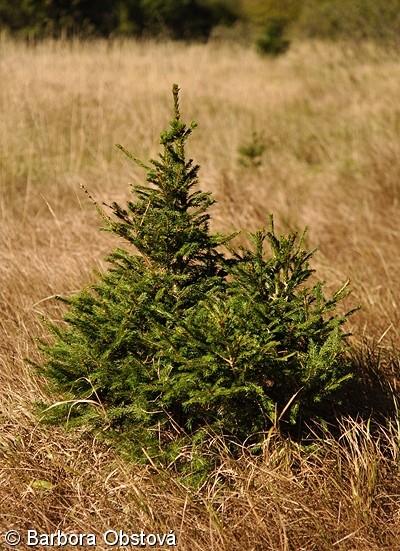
[179, 338]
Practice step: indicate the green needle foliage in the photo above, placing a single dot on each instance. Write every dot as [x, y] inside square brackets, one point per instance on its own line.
[179, 339]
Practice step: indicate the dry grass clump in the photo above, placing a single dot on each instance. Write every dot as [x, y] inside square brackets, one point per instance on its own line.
[334, 495]
[330, 118]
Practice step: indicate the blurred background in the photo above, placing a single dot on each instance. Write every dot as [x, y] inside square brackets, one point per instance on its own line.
[272, 24]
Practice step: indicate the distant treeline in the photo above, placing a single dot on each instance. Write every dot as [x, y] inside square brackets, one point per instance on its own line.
[179, 19]
[195, 19]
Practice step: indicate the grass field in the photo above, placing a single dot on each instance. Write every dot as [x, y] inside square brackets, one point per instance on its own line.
[330, 120]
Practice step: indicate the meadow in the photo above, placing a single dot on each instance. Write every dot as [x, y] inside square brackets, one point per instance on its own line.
[329, 119]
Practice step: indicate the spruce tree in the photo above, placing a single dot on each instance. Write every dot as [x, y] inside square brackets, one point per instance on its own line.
[265, 350]
[179, 338]
[106, 359]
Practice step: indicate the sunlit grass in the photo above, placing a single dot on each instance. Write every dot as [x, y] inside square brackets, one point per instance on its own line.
[330, 119]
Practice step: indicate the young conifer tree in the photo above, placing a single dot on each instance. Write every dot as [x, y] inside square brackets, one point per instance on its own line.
[176, 339]
[106, 359]
[265, 350]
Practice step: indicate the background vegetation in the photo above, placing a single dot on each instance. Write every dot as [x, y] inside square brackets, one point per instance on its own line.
[174, 18]
[198, 19]
[327, 155]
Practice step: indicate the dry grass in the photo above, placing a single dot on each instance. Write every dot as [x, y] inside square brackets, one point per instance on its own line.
[331, 121]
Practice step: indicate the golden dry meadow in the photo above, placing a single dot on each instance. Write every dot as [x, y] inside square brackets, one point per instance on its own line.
[329, 118]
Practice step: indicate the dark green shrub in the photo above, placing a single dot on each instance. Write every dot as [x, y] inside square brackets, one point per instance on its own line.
[41, 18]
[180, 339]
[178, 19]
[272, 40]
[25, 16]
[185, 19]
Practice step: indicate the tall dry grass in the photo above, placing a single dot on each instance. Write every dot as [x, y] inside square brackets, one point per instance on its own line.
[331, 121]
